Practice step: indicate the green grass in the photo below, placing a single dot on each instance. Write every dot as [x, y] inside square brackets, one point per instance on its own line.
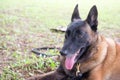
[25, 24]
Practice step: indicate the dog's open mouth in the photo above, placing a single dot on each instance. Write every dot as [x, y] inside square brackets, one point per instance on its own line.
[71, 60]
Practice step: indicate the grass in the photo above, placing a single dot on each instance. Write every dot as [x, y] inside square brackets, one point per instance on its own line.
[25, 24]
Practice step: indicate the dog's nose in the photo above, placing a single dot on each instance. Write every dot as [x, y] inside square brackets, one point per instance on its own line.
[63, 53]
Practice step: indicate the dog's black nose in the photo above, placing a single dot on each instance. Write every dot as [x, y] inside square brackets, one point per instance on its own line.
[63, 53]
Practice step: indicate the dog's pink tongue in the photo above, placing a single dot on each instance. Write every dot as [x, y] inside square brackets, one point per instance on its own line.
[70, 61]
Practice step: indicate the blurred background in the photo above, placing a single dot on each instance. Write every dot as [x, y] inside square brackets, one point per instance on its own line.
[26, 24]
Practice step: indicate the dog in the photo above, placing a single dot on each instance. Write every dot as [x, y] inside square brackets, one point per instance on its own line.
[86, 55]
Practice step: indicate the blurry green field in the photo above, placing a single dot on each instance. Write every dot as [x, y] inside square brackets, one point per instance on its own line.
[25, 24]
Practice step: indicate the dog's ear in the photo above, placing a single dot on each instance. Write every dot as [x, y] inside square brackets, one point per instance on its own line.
[92, 18]
[75, 15]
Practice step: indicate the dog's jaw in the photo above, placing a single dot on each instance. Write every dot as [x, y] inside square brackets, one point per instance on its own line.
[70, 60]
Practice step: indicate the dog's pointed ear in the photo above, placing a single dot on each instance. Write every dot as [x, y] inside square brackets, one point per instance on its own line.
[75, 14]
[92, 18]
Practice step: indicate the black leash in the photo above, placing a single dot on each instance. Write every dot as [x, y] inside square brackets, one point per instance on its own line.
[38, 51]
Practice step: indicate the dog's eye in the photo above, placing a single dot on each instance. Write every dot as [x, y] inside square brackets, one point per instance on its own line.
[79, 34]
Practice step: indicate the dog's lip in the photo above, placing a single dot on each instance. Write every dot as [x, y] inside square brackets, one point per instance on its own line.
[80, 54]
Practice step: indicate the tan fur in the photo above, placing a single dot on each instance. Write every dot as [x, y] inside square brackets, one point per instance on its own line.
[105, 64]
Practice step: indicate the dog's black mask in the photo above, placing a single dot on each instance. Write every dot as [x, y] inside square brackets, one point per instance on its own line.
[78, 36]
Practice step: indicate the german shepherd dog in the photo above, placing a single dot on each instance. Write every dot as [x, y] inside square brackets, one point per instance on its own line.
[86, 55]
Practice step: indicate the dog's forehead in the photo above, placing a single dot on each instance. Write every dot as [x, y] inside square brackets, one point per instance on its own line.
[76, 24]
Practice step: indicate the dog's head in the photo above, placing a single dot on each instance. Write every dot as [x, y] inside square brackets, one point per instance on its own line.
[80, 34]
